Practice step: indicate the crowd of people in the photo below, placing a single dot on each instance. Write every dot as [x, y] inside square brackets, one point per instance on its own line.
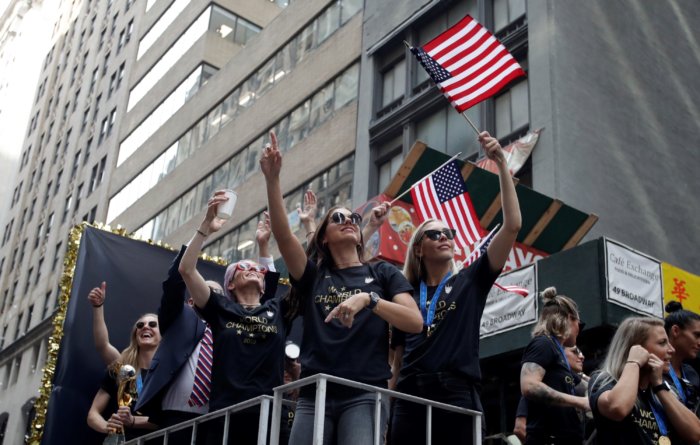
[215, 344]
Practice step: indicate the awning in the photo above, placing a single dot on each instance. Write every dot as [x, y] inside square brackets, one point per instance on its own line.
[549, 224]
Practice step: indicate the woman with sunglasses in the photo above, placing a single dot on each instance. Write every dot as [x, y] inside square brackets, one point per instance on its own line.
[547, 380]
[249, 331]
[442, 361]
[631, 402]
[144, 340]
[347, 306]
[683, 330]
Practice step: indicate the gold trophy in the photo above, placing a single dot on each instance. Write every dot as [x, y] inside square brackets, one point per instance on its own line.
[125, 395]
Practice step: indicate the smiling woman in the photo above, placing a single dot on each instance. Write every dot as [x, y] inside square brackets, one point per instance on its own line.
[143, 342]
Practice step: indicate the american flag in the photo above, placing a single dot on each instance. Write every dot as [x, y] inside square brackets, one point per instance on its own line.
[468, 63]
[443, 196]
[479, 250]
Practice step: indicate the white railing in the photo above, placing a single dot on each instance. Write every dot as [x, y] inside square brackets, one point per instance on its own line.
[321, 381]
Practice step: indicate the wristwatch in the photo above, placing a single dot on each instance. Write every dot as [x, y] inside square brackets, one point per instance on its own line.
[373, 300]
[663, 386]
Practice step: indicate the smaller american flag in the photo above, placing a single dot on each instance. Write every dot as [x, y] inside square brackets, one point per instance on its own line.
[479, 250]
[443, 196]
[468, 63]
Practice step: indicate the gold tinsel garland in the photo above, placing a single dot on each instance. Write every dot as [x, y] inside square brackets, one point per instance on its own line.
[66, 284]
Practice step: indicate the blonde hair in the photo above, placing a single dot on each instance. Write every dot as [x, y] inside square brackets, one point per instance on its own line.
[130, 354]
[555, 313]
[632, 331]
[413, 268]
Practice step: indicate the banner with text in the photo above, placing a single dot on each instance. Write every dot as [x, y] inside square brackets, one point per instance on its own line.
[505, 310]
[634, 279]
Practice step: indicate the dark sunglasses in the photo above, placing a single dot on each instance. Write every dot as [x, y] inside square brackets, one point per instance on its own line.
[151, 324]
[435, 235]
[244, 266]
[341, 218]
[576, 350]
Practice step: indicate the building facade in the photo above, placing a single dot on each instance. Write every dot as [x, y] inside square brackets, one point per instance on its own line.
[145, 107]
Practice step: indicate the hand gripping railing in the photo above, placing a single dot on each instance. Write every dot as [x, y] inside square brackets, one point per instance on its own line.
[321, 381]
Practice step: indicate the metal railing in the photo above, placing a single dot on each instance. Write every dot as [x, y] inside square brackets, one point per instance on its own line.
[321, 381]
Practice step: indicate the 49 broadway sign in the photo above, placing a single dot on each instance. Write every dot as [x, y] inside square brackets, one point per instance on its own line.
[505, 310]
[634, 279]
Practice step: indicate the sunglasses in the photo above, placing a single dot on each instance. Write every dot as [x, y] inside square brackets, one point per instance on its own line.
[151, 324]
[435, 235]
[577, 351]
[340, 218]
[244, 266]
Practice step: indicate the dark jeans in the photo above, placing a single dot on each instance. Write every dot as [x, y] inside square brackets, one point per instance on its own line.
[408, 422]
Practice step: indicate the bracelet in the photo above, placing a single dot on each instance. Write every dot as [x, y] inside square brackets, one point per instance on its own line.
[635, 362]
[202, 233]
[98, 305]
[311, 232]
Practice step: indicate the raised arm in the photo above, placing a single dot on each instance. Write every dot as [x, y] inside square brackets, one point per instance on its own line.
[617, 403]
[100, 334]
[307, 216]
[291, 249]
[262, 237]
[376, 219]
[173, 298]
[532, 387]
[503, 241]
[199, 291]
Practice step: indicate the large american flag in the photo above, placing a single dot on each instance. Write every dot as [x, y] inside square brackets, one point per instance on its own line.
[443, 196]
[468, 63]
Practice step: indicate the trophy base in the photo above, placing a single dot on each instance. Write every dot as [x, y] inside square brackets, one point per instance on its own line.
[114, 439]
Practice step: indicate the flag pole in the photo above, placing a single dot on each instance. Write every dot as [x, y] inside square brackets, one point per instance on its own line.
[409, 189]
[476, 130]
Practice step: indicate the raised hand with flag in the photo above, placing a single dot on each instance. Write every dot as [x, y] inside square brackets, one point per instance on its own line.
[468, 64]
[442, 362]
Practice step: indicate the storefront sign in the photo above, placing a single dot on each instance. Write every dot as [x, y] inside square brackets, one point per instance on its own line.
[634, 279]
[681, 286]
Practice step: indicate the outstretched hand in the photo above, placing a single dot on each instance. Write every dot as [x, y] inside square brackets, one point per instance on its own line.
[308, 214]
[271, 159]
[211, 221]
[263, 232]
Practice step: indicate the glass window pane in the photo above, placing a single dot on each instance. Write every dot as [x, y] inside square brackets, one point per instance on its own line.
[387, 87]
[237, 169]
[500, 14]
[305, 41]
[222, 23]
[460, 135]
[188, 206]
[244, 31]
[346, 87]
[173, 219]
[432, 130]
[247, 94]
[321, 106]
[282, 132]
[252, 153]
[266, 75]
[516, 9]
[328, 22]
[399, 79]
[502, 110]
[349, 9]
[213, 121]
[220, 177]
[520, 104]
[298, 123]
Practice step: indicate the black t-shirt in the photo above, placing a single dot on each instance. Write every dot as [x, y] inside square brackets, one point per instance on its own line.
[545, 420]
[639, 427]
[361, 352]
[454, 341]
[248, 349]
[690, 385]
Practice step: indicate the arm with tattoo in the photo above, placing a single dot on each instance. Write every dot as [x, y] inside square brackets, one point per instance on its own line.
[534, 389]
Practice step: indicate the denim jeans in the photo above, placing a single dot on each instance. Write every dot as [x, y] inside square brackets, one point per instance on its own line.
[408, 420]
[349, 420]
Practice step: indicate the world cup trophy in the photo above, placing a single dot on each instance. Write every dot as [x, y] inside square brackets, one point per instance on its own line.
[125, 395]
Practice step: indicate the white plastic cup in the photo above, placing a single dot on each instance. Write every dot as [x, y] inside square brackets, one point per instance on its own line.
[225, 209]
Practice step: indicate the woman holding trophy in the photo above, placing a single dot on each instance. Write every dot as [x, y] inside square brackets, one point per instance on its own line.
[120, 385]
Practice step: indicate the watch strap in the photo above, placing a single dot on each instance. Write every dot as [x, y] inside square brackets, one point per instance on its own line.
[373, 300]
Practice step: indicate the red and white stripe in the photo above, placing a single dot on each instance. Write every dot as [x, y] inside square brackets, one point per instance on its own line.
[457, 213]
[202, 376]
[479, 64]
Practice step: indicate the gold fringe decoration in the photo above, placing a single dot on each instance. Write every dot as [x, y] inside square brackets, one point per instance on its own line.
[66, 284]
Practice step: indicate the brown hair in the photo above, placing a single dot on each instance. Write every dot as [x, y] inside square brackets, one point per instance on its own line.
[555, 313]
